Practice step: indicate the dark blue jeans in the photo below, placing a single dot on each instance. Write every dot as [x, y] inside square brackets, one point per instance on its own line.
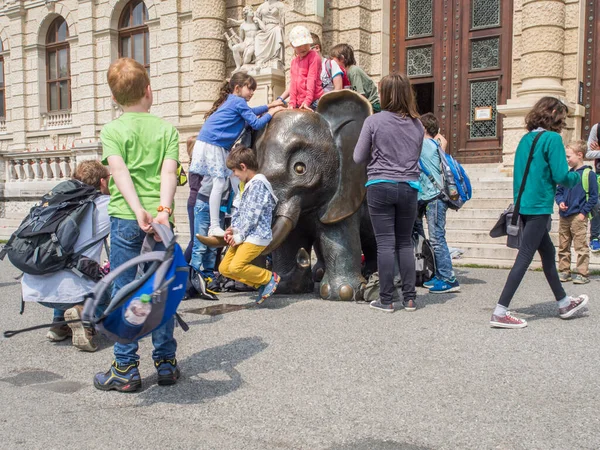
[535, 239]
[595, 228]
[126, 239]
[188, 250]
[393, 209]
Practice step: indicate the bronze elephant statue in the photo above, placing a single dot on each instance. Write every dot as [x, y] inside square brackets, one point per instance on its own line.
[308, 159]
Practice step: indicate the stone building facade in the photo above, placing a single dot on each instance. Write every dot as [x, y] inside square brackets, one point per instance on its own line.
[54, 106]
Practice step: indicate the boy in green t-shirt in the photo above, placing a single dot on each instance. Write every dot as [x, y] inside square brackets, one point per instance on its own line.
[142, 152]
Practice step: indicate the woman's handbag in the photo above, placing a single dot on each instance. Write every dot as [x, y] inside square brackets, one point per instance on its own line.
[509, 223]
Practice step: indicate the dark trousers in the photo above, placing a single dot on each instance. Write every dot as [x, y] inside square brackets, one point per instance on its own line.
[393, 209]
[535, 238]
[188, 250]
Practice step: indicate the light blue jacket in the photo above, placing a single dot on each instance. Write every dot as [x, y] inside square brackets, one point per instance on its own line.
[430, 159]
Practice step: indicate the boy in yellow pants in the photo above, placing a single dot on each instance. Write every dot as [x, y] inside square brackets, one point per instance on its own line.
[250, 230]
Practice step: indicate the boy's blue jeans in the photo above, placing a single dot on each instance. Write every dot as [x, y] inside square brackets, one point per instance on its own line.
[126, 238]
[203, 258]
[436, 223]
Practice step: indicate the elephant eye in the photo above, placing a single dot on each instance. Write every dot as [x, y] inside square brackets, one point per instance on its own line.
[300, 168]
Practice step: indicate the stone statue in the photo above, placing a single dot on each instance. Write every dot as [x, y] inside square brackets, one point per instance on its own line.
[307, 157]
[242, 45]
[269, 44]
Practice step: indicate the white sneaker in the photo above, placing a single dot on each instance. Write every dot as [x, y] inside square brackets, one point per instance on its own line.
[216, 231]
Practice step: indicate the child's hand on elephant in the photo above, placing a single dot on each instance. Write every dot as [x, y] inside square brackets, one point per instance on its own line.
[272, 111]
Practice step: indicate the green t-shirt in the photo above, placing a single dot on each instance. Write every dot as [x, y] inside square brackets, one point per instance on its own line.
[548, 168]
[143, 141]
[364, 85]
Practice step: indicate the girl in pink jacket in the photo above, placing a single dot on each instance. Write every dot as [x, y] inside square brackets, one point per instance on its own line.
[305, 75]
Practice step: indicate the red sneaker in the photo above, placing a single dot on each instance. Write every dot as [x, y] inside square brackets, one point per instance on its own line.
[576, 304]
[507, 321]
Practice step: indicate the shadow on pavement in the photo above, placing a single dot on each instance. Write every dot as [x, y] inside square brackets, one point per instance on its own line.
[205, 375]
[546, 310]
[376, 444]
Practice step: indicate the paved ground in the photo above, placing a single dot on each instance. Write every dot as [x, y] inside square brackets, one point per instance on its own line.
[301, 373]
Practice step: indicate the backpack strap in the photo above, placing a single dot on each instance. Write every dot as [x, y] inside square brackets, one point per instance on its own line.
[585, 181]
[328, 67]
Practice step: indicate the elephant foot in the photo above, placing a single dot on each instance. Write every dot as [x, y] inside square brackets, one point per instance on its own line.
[298, 280]
[211, 241]
[345, 290]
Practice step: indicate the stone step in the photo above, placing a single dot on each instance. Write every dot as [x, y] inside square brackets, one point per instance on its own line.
[494, 193]
[474, 214]
[456, 238]
[499, 204]
[481, 224]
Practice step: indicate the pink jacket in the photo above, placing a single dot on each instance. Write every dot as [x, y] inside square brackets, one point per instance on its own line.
[305, 80]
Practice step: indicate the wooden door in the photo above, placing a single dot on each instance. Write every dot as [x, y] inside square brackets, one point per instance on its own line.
[451, 50]
[591, 81]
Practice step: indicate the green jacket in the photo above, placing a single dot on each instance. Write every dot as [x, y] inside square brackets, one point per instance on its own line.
[548, 168]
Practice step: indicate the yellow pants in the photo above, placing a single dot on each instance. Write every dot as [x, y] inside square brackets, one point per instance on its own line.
[236, 265]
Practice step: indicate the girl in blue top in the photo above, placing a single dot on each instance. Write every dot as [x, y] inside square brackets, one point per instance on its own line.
[223, 125]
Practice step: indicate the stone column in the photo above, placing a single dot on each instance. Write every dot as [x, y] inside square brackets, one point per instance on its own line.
[209, 53]
[539, 33]
[543, 42]
[15, 12]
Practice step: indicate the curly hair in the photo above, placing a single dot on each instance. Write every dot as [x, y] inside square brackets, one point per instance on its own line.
[239, 79]
[548, 113]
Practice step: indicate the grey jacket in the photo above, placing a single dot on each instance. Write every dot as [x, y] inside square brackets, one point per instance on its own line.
[391, 146]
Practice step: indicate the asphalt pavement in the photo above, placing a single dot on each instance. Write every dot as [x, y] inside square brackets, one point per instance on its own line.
[302, 373]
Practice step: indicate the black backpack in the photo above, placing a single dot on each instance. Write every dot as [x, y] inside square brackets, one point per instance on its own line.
[424, 259]
[45, 240]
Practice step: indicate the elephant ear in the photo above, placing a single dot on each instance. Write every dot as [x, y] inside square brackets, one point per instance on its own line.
[345, 111]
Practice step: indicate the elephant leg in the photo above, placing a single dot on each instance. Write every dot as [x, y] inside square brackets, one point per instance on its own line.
[318, 270]
[291, 261]
[368, 242]
[340, 247]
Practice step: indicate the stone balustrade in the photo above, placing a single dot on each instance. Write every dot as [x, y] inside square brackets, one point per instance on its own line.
[52, 120]
[40, 166]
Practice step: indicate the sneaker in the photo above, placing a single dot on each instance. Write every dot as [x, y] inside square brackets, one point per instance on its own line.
[216, 231]
[595, 245]
[168, 372]
[260, 293]
[58, 333]
[564, 277]
[576, 304]
[82, 336]
[507, 321]
[205, 293]
[445, 287]
[387, 307]
[409, 305]
[119, 378]
[269, 288]
[580, 279]
[430, 283]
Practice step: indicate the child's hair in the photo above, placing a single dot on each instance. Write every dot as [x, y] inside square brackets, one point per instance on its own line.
[397, 95]
[579, 146]
[430, 123]
[240, 154]
[548, 113]
[91, 172]
[191, 141]
[316, 41]
[345, 53]
[128, 81]
[238, 79]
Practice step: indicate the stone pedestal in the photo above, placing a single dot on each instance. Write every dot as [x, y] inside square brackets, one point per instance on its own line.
[270, 85]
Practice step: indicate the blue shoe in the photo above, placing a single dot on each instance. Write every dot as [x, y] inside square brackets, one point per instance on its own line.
[168, 372]
[269, 288]
[260, 293]
[119, 378]
[445, 287]
[595, 245]
[430, 283]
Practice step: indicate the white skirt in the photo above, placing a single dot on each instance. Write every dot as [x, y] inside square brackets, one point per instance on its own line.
[209, 159]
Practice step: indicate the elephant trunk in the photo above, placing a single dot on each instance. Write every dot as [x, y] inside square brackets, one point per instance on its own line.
[287, 218]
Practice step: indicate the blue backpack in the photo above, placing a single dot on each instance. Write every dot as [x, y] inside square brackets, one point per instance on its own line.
[162, 276]
[456, 189]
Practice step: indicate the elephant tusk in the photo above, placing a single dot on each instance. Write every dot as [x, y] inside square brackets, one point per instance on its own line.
[282, 228]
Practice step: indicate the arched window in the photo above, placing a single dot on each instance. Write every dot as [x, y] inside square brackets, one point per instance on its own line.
[2, 85]
[134, 39]
[58, 61]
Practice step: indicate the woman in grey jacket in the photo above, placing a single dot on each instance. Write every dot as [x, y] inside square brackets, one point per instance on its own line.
[390, 142]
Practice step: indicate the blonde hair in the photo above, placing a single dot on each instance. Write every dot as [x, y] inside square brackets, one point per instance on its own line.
[91, 172]
[579, 146]
[128, 81]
